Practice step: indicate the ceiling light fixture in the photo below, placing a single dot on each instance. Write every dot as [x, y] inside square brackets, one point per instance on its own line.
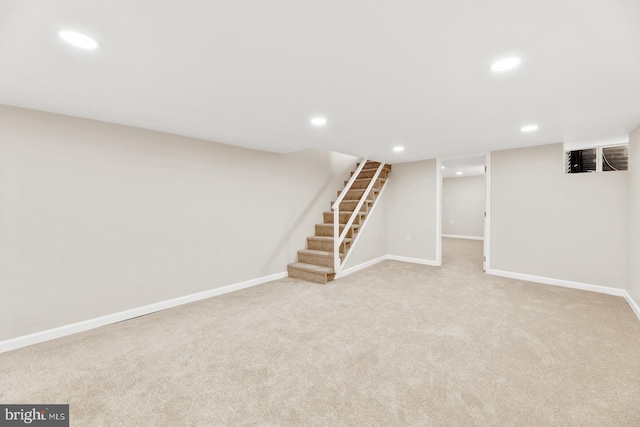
[506, 64]
[529, 128]
[78, 39]
[318, 121]
[458, 173]
[442, 167]
[398, 149]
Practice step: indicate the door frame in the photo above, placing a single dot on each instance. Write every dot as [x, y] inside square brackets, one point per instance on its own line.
[487, 203]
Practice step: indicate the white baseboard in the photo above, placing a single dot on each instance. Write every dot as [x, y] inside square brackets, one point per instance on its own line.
[38, 337]
[573, 285]
[359, 267]
[383, 258]
[559, 282]
[74, 328]
[455, 236]
[414, 260]
[634, 305]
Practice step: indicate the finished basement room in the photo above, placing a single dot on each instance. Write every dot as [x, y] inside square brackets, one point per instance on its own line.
[325, 214]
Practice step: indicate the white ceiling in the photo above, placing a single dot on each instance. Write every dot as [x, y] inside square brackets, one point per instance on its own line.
[406, 72]
[469, 166]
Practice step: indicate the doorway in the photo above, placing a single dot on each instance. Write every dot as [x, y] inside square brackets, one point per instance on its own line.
[463, 209]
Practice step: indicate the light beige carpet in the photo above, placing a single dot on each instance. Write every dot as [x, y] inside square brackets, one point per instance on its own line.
[395, 344]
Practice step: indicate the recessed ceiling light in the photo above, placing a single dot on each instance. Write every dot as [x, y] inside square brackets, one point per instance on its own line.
[318, 121]
[458, 173]
[506, 64]
[78, 39]
[398, 149]
[529, 128]
[442, 167]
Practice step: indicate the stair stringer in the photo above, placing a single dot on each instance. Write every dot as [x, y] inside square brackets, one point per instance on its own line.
[363, 227]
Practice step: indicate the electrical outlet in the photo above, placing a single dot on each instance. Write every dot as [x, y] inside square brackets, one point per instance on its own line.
[408, 236]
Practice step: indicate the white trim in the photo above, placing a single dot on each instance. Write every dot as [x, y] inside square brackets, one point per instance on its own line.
[487, 203]
[487, 208]
[337, 237]
[421, 261]
[611, 142]
[466, 156]
[359, 267]
[455, 236]
[356, 211]
[634, 306]
[572, 285]
[438, 211]
[74, 328]
[354, 176]
[362, 226]
[559, 282]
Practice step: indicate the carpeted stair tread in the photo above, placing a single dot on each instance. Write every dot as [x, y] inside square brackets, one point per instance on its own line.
[346, 212]
[373, 165]
[341, 225]
[368, 170]
[311, 268]
[317, 253]
[364, 180]
[352, 201]
[328, 238]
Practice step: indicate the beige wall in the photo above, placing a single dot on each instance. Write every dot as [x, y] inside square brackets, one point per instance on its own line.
[463, 206]
[550, 224]
[633, 258]
[412, 210]
[372, 243]
[97, 218]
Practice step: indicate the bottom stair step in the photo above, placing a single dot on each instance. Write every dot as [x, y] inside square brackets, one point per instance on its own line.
[310, 272]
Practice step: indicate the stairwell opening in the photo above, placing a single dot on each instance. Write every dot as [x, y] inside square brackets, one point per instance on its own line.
[326, 252]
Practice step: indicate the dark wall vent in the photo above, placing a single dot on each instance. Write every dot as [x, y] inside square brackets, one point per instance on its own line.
[615, 158]
[580, 161]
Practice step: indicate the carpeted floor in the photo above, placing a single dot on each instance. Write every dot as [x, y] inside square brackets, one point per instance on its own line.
[395, 344]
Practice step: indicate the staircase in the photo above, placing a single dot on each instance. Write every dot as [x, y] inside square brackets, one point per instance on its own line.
[318, 262]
